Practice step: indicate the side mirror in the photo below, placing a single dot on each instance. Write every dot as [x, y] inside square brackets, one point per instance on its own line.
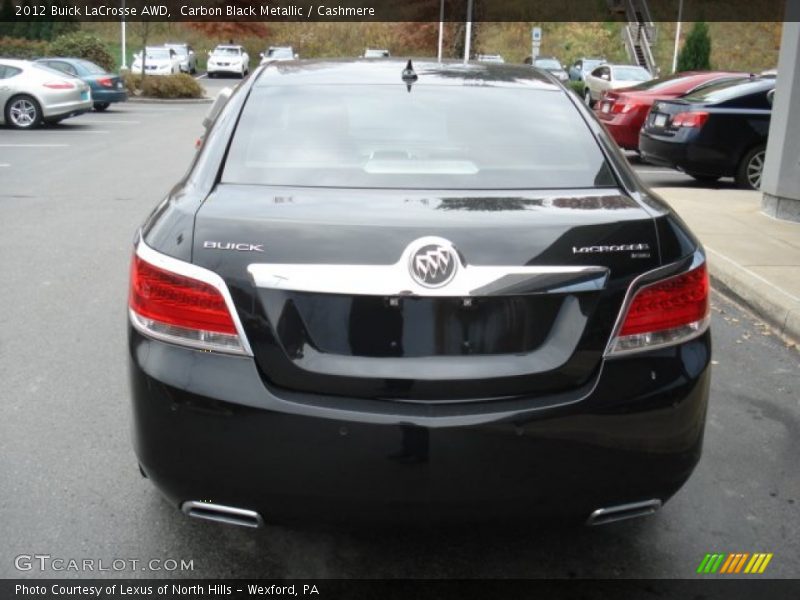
[260, 55]
[771, 96]
[219, 103]
[191, 52]
[296, 56]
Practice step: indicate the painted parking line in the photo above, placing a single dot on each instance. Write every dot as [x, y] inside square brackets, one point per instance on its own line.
[204, 75]
[4, 165]
[657, 172]
[34, 145]
[109, 122]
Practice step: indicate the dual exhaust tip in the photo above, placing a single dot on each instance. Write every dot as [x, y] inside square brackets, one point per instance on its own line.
[222, 514]
[622, 512]
[250, 518]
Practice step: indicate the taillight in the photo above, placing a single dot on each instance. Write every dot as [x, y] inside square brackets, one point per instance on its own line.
[59, 85]
[623, 107]
[690, 119]
[105, 82]
[667, 312]
[177, 307]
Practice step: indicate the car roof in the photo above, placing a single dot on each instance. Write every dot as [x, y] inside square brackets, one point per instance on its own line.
[428, 71]
[15, 62]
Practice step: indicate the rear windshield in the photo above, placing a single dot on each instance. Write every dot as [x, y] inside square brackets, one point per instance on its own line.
[226, 51]
[631, 74]
[547, 63]
[722, 92]
[92, 68]
[280, 53]
[383, 136]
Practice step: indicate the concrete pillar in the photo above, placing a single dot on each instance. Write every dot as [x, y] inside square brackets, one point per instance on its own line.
[780, 182]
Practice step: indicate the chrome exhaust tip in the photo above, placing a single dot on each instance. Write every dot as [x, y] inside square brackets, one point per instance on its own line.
[222, 514]
[620, 512]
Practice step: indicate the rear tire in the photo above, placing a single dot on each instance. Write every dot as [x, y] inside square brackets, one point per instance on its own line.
[23, 112]
[101, 106]
[748, 174]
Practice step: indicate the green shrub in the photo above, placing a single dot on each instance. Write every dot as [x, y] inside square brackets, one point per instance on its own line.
[22, 48]
[696, 52]
[158, 86]
[83, 45]
[577, 87]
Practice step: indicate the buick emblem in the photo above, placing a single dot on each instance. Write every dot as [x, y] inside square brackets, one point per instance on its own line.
[433, 264]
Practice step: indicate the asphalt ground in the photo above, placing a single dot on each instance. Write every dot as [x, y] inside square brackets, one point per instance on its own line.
[71, 198]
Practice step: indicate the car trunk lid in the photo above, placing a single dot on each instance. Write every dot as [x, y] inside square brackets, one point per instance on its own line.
[324, 286]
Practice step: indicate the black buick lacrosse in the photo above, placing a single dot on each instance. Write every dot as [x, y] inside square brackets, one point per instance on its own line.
[410, 290]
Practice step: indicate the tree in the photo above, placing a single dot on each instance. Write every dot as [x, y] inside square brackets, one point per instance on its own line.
[696, 52]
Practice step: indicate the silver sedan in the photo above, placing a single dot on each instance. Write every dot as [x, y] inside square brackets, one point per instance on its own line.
[31, 94]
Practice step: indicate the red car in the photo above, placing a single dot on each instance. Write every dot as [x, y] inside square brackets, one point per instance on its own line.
[623, 111]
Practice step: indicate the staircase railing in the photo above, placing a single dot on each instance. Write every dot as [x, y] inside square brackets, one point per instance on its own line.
[640, 33]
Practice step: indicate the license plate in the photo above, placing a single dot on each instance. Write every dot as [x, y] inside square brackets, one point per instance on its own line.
[660, 120]
[606, 108]
[85, 95]
[119, 85]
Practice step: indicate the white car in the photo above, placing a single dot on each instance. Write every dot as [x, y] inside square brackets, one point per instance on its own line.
[32, 94]
[228, 59]
[278, 53]
[612, 77]
[157, 61]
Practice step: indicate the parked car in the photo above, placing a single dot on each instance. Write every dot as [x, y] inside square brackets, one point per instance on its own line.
[106, 87]
[581, 67]
[376, 53]
[720, 131]
[32, 94]
[376, 300]
[228, 59]
[186, 56]
[278, 53]
[612, 77]
[157, 61]
[551, 64]
[623, 112]
[490, 58]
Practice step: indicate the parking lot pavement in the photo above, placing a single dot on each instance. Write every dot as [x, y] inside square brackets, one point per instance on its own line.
[69, 206]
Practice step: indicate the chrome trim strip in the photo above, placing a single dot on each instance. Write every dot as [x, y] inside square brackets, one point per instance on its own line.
[396, 280]
[222, 514]
[180, 267]
[611, 514]
[676, 268]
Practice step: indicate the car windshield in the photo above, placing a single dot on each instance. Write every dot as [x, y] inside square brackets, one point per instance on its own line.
[158, 53]
[589, 65]
[180, 50]
[376, 54]
[280, 53]
[631, 74]
[91, 68]
[547, 63]
[435, 137]
[729, 90]
[226, 51]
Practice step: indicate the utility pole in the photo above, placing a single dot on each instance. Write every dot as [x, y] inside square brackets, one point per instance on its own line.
[677, 37]
[441, 29]
[124, 53]
[468, 32]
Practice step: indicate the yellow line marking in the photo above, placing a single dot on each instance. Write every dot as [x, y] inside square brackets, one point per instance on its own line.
[757, 563]
[765, 563]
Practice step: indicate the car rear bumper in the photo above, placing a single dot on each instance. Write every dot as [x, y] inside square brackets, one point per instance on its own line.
[206, 428]
[109, 96]
[685, 153]
[69, 108]
[625, 133]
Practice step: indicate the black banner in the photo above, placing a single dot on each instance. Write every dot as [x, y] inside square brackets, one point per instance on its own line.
[391, 10]
[335, 589]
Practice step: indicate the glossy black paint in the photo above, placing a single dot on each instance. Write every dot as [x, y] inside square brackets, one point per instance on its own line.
[205, 428]
[717, 148]
[532, 423]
